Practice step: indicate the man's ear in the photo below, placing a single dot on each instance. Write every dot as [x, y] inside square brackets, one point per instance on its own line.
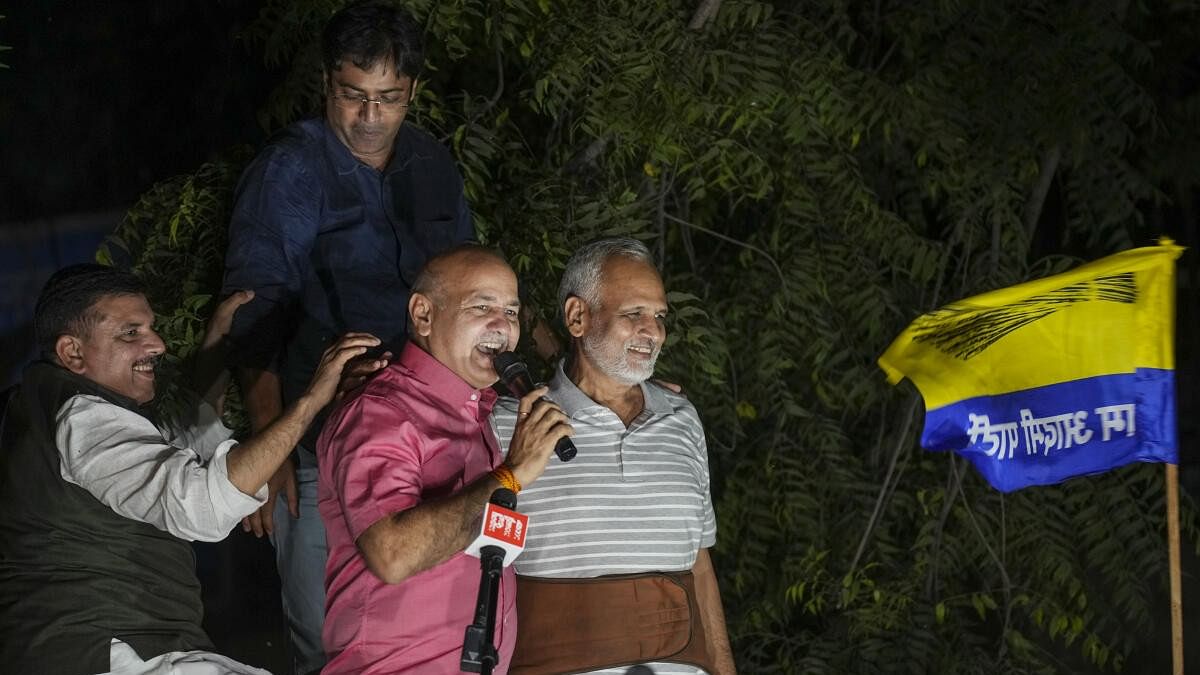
[576, 316]
[420, 312]
[69, 350]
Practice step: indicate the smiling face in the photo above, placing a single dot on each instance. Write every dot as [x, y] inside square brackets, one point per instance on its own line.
[622, 334]
[119, 351]
[470, 316]
[367, 129]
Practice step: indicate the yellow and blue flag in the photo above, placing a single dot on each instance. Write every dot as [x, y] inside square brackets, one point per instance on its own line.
[1065, 376]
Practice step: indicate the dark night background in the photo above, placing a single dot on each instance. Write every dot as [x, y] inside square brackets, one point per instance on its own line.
[101, 100]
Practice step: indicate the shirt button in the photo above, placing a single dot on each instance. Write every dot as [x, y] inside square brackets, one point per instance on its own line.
[474, 397]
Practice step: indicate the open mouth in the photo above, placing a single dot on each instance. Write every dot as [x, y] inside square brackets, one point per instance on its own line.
[645, 350]
[491, 345]
[146, 366]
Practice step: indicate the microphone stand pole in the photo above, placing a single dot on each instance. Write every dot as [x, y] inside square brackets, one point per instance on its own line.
[479, 650]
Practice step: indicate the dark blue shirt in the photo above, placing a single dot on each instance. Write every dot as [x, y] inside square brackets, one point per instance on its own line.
[330, 244]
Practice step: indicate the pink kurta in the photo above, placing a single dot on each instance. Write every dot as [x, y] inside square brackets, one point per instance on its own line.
[415, 433]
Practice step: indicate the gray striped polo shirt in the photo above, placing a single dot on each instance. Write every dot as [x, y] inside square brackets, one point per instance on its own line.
[632, 500]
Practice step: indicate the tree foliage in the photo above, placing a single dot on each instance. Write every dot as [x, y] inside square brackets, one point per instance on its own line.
[811, 176]
[174, 239]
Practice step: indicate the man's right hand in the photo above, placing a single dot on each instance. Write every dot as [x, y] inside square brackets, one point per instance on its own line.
[322, 389]
[540, 423]
[358, 369]
[262, 521]
[328, 375]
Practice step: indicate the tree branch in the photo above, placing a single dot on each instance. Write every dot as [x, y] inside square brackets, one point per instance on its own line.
[887, 479]
[1037, 199]
[991, 553]
[752, 247]
[947, 506]
[706, 10]
[660, 213]
[589, 155]
[491, 102]
[685, 237]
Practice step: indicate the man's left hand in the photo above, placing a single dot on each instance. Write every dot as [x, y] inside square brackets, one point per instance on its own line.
[222, 319]
[209, 377]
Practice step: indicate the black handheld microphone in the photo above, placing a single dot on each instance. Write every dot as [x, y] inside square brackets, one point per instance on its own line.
[503, 532]
[515, 376]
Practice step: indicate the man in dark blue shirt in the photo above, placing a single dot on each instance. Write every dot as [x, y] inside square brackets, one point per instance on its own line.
[331, 223]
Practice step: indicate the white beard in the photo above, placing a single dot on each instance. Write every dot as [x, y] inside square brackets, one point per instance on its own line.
[611, 359]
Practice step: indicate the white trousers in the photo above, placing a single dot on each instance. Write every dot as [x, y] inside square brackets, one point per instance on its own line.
[124, 661]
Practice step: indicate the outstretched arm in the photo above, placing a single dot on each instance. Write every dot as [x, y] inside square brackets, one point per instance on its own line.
[263, 399]
[253, 461]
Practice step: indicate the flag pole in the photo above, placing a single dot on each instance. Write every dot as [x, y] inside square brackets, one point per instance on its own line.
[1173, 552]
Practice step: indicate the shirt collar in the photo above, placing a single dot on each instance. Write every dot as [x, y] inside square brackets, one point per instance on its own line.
[41, 374]
[656, 399]
[443, 384]
[346, 163]
[572, 399]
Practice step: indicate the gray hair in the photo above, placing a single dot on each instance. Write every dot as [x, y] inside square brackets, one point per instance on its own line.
[582, 276]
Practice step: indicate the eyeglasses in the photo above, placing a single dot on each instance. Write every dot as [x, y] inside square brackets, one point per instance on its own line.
[387, 104]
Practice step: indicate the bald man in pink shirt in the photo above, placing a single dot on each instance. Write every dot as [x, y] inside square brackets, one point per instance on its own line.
[407, 466]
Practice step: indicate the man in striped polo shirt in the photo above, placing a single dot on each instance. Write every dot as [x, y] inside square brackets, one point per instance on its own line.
[635, 502]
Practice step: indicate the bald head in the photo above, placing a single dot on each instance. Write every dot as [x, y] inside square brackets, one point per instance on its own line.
[464, 310]
[432, 281]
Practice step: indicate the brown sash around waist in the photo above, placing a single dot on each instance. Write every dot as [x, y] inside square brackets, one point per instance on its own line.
[577, 625]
